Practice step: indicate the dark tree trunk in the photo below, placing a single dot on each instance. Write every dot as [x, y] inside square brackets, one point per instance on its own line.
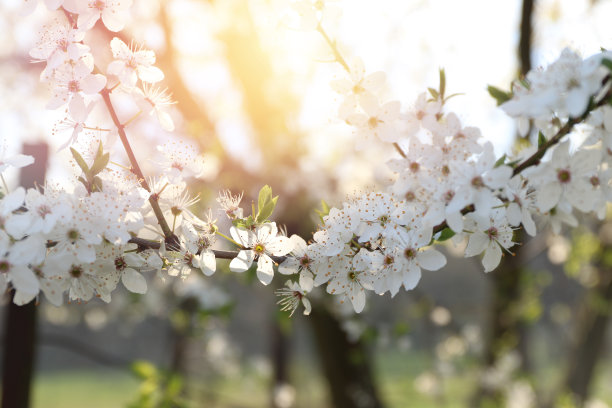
[20, 324]
[346, 364]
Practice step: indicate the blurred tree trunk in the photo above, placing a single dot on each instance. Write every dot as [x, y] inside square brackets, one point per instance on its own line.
[593, 319]
[20, 325]
[346, 364]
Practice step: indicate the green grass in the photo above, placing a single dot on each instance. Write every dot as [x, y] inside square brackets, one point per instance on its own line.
[91, 389]
[395, 375]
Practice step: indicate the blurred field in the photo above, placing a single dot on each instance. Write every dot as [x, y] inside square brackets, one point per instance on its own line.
[396, 371]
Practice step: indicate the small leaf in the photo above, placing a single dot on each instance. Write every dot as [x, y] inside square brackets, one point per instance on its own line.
[499, 95]
[96, 184]
[445, 234]
[85, 183]
[541, 139]
[265, 195]
[607, 63]
[100, 163]
[79, 159]
[267, 210]
[434, 93]
[500, 161]
[323, 212]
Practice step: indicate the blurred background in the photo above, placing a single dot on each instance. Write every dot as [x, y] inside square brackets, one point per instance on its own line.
[253, 97]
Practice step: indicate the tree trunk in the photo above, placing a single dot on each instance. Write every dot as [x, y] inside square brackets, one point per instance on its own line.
[346, 364]
[20, 324]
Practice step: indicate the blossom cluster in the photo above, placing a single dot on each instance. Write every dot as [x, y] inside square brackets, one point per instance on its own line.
[447, 183]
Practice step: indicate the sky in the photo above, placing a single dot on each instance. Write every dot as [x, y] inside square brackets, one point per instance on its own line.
[475, 41]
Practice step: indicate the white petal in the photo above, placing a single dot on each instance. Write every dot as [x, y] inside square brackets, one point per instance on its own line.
[548, 196]
[358, 298]
[208, 263]
[431, 260]
[133, 281]
[412, 276]
[150, 74]
[93, 84]
[477, 243]
[243, 261]
[265, 269]
[24, 280]
[492, 257]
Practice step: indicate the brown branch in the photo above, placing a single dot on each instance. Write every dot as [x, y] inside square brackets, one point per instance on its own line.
[153, 198]
[534, 159]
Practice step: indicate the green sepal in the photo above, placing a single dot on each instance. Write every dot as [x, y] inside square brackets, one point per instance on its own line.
[500, 161]
[434, 94]
[445, 234]
[541, 139]
[499, 95]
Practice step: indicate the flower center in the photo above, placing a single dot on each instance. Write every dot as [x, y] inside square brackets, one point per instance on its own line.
[352, 275]
[410, 196]
[383, 220]
[120, 263]
[388, 260]
[595, 181]
[97, 4]
[448, 196]
[73, 235]
[259, 249]
[73, 86]
[478, 182]
[445, 170]
[76, 271]
[373, 122]
[564, 176]
[305, 261]
[357, 89]
[420, 115]
[410, 253]
[492, 233]
[414, 167]
[5, 266]
[43, 210]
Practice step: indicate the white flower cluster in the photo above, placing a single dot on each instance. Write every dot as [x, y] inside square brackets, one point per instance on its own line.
[447, 182]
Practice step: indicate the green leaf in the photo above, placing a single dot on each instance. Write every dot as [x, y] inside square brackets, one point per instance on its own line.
[442, 83]
[607, 63]
[85, 182]
[265, 204]
[100, 163]
[324, 211]
[499, 95]
[79, 159]
[541, 139]
[265, 195]
[500, 161]
[144, 369]
[445, 234]
[434, 93]
[96, 184]
[266, 211]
